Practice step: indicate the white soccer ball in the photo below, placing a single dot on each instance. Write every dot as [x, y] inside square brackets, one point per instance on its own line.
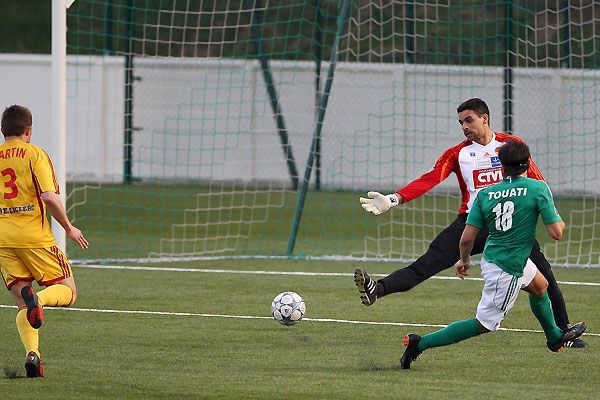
[288, 308]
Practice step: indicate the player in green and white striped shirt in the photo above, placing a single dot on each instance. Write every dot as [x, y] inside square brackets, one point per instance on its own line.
[510, 209]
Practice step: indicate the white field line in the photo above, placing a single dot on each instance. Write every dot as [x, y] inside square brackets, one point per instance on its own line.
[123, 267]
[264, 257]
[229, 271]
[342, 321]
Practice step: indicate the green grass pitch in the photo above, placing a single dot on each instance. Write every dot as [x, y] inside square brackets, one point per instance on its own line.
[92, 354]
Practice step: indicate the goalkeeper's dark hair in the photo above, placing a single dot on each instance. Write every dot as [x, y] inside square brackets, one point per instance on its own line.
[514, 156]
[477, 105]
[15, 119]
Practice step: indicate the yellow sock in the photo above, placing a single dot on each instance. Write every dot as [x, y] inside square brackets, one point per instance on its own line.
[29, 336]
[56, 296]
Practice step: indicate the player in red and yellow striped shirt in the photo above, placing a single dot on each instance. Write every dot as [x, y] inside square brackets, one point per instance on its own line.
[28, 250]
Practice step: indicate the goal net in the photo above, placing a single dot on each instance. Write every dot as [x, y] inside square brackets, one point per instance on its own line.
[252, 127]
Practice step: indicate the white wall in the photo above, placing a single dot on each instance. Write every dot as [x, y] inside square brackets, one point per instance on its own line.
[94, 109]
[25, 80]
[385, 124]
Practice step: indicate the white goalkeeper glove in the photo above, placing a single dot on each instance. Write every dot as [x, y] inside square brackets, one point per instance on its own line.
[378, 203]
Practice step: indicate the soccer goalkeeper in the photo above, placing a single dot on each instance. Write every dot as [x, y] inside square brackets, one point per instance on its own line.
[476, 164]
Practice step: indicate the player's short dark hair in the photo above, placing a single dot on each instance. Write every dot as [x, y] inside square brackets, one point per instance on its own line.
[514, 156]
[15, 119]
[475, 104]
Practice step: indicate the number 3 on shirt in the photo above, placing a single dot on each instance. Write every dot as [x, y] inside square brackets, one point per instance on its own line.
[11, 188]
[504, 215]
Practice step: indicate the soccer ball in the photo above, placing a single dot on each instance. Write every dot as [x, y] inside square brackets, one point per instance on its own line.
[288, 308]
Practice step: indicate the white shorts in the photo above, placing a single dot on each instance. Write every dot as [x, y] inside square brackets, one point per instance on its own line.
[500, 292]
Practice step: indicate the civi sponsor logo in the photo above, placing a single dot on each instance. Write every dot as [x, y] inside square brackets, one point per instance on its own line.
[486, 177]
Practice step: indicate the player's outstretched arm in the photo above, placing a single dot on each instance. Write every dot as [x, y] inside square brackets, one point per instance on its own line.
[556, 229]
[58, 212]
[378, 203]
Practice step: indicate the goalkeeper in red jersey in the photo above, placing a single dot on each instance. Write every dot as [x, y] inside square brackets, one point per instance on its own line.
[28, 250]
[476, 164]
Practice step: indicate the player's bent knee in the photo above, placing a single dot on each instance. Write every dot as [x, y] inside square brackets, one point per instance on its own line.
[538, 287]
[538, 292]
[70, 283]
[73, 294]
[482, 328]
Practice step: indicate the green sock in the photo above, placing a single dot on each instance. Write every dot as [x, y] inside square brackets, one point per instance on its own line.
[453, 333]
[542, 310]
